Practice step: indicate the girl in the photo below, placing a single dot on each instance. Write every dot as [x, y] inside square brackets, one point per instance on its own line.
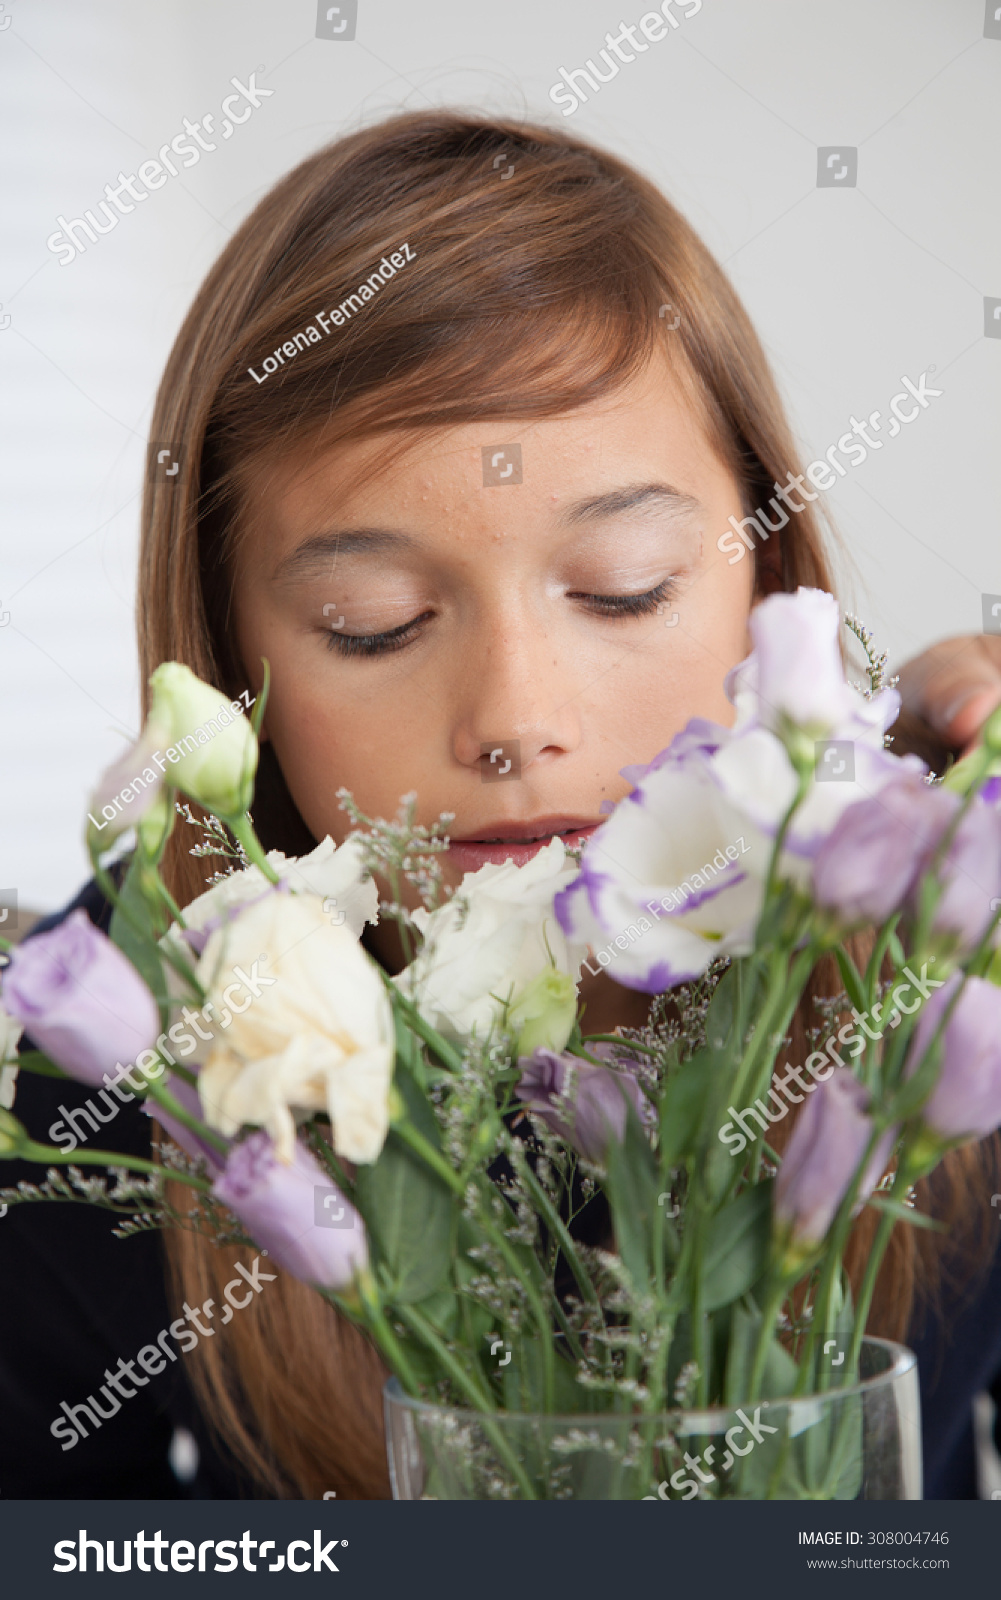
[460, 440]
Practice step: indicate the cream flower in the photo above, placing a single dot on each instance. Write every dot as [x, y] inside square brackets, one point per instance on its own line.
[315, 1032]
[10, 1033]
[331, 873]
[486, 946]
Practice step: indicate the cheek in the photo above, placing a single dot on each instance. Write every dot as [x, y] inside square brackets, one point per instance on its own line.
[678, 670]
[376, 743]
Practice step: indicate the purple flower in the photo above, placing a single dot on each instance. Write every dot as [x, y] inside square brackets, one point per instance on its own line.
[582, 1103]
[282, 1206]
[82, 1002]
[698, 736]
[970, 876]
[799, 673]
[966, 1101]
[878, 849]
[188, 1140]
[821, 1158]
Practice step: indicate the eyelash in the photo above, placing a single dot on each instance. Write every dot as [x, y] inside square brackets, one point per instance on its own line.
[606, 605]
[376, 644]
[629, 605]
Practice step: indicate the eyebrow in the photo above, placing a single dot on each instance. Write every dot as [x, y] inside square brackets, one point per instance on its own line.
[653, 496]
[321, 548]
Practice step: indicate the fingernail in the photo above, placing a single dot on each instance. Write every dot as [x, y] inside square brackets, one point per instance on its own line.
[951, 712]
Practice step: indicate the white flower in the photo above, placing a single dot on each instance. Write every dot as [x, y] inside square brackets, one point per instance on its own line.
[10, 1033]
[212, 752]
[486, 945]
[316, 1033]
[330, 872]
[677, 874]
[755, 773]
[672, 879]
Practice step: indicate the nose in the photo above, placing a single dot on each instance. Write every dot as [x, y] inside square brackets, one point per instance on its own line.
[516, 695]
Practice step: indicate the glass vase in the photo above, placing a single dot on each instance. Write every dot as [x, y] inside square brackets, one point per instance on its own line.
[857, 1442]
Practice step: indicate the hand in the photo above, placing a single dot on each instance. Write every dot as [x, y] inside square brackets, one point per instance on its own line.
[954, 686]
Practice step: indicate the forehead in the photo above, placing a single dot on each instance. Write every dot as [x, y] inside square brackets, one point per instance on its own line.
[566, 468]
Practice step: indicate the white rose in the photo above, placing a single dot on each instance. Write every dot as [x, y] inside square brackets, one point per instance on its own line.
[317, 1035]
[486, 945]
[10, 1033]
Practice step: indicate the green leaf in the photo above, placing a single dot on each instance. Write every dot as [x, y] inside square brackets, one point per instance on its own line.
[260, 704]
[724, 1005]
[34, 1061]
[735, 1253]
[851, 978]
[681, 1108]
[912, 1094]
[135, 932]
[632, 1189]
[917, 1219]
[407, 1212]
[407, 1209]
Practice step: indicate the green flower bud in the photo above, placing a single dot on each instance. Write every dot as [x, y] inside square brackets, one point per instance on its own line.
[13, 1135]
[155, 826]
[544, 1015]
[213, 751]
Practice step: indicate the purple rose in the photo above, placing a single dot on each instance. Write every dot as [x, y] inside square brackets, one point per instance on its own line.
[970, 876]
[81, 1001]
[823, 1153]
[283, 1208]
[878, 849]
[188, 1140]
[966, 1101]
[582, 1103]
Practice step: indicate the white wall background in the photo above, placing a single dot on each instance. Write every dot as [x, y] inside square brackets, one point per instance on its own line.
[849, 288]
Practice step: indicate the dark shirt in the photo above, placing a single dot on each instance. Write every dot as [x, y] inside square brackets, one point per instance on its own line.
[76, 1300]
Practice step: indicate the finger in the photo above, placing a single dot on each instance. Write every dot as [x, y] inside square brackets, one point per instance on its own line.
[954, 686]
[967, 721]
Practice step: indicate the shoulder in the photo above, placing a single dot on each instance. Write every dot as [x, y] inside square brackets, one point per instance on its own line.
[91, 898]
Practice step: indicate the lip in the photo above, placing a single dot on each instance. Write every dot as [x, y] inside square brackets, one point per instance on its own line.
[518, 842]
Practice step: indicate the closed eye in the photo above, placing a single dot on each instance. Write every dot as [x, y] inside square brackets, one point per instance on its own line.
[628, 605]
[377, 644]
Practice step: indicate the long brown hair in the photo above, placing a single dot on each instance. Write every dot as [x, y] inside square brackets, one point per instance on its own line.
[534, 285]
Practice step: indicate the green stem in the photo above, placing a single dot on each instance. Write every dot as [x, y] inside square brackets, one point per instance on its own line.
[422, 1147]
[559, 1229]
[164, 1098]
[802, 785]
[427, 1152]
[50, 1155]
[837, 1239]
[464, 1382]
[442, 1049]
[385, 1337]
[775, 1004]
[616, 1038]
[901, 1184]
[110, 891]
[242, 830]
[769, 1315]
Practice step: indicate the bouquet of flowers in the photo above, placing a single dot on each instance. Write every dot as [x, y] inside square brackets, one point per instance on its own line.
[576, 1253]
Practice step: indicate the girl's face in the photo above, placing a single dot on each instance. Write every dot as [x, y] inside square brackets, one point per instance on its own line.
[500, 638]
